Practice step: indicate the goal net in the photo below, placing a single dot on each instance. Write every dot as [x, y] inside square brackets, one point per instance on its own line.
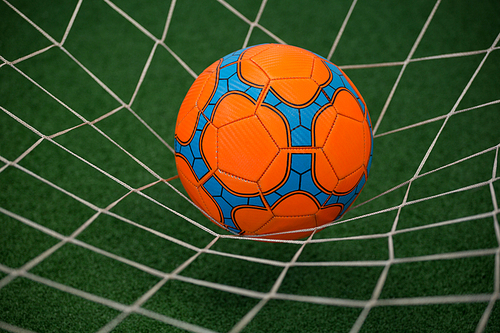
[98, 235]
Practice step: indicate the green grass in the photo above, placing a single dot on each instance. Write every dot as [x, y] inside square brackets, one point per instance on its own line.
[434, 258]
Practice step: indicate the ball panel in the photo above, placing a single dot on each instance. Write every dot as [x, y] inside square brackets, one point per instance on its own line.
[210, 206]
[346, 104]
[245, 149]
[276, 174]
[296, 204]
[276, 124]
[296, 92]
[185, 171]
[250, 73]
[344, 146]
[208, 143]
[237, 185]
[187, 125]
[207, 90]
[320, 72]
[323, 173]
[232, 107]
[322, 125]
[328, 214]
[285, 61]
[348, 183]
[251, 218]
[284, 224]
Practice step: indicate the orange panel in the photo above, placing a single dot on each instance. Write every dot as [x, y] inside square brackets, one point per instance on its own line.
[354, 87]
[245, 149]
[321, 73]
[281, 224]
[237, 185]
[231, 108]
[209, 205]
[296, 91]
[252, 74]
[185, 170]
[368, 142]
[322, 125]
[345, 146]
[348, 183]
[296, 204]
[209, 146]
[276, 173]
[275, 124]
[256, 50]
[328, 214]
[187, 125]
[250, 219]
[285, 61]
[347, 105]
[207, 90]
[324, 175]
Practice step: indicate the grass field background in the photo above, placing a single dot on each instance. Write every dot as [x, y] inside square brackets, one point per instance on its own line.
[96, 234]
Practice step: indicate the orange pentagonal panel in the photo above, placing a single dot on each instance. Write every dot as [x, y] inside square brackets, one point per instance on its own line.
[285, 61]
[295, 204]
[296, 91]
[347, 105]
[349, 182]
[276, 124]
[209, 146]
[252, 74]
[250, 218]
[276, 173]
[344, 146]
[186, 126]
[283, 224]
[321, 73]
[245, 149]
[323, 174]
[322, 125]
[232, 107]
[328, 214]
[237, 185]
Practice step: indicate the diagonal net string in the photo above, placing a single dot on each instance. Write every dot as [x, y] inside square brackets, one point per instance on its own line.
[136, 307]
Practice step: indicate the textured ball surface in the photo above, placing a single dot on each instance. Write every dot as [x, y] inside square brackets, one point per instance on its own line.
[273, 139]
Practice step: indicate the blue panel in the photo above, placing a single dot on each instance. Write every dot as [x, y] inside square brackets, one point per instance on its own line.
[200, 168]
[272, 197]
[209, 110]
[177, 146]
[333, 68]
[301, 163]
[213, 187]
[307, 114]
[345, 199]
[301, 137]
[232, 199]
[348, 86]
[256, 201]
[254, 92]
[221, 90]
[291, 114]
[224, 206]
[291, 184]
[195, 144]
[321, 99]
[201, 123]
[330, 90]
[236, 84]
[227, 72]
[307, 184]
[332, 200]
[322, 197]
[271, 99]
[361, 104]
[186, 151]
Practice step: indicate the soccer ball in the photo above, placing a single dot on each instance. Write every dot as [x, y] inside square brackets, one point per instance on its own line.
[273, 141]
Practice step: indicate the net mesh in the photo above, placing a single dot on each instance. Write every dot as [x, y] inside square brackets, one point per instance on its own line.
[98, 234]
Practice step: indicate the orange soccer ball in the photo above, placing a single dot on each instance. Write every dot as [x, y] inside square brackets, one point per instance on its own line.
[273, 141]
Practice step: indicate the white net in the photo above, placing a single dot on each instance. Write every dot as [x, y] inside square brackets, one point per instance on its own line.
[97, 234]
